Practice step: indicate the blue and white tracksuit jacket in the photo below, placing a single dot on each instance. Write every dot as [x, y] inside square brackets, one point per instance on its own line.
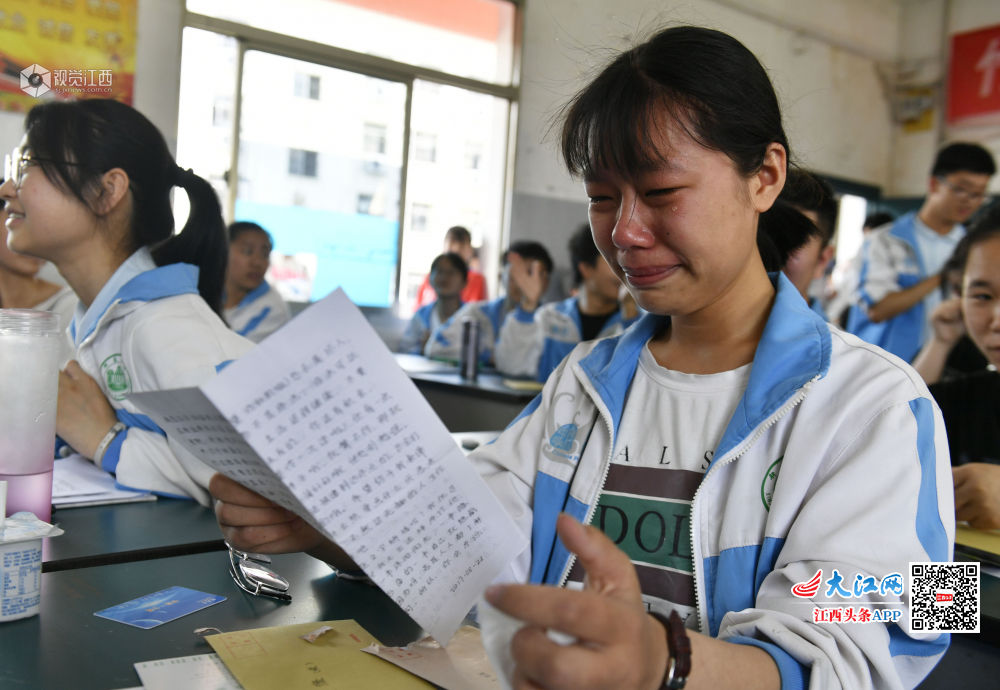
[531, 344]
[446, 341]
[156, 333]
[836, 458]
[259, 314]
[891, 262]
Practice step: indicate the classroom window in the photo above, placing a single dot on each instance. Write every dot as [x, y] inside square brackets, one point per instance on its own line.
[302, 162]
[341, 223]
[428, 34]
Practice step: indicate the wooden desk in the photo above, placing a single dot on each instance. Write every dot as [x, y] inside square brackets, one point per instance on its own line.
[99, 535]
[67, 646]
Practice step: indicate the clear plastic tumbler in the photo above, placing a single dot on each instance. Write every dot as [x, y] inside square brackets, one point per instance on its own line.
[30, 346]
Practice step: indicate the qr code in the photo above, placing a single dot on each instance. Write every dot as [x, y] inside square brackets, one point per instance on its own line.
[944, 597]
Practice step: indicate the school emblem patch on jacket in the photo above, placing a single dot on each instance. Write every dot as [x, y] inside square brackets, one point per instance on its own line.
[116, 377]
[562, 429]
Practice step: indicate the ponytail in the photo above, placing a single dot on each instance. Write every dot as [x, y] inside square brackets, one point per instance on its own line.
[202, 241]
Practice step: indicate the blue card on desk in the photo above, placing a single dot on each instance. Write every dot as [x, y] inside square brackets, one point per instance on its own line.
[160, 607]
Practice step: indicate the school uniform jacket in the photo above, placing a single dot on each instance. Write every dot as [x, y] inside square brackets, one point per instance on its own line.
[836, 457]
[156, 334]
[446, 341]
[259, 314]
[891, 262]
[531, 344]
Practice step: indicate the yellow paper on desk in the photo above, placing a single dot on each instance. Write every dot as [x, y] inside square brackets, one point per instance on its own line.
[984, 540]
[278, 658]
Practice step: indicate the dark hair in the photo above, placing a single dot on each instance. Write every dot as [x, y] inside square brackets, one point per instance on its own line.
[985, 228]
[781, 231]
[457, 233]
[878, 219]
[457, 262]
[707, 81]
[963, 157]
[530, 250]
[582, 249]
[78, 141]
[243, 226]
[808, 192]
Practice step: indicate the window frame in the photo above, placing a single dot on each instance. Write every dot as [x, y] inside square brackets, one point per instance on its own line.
[251, 38]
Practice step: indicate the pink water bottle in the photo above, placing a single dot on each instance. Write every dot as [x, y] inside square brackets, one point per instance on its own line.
[30, 347]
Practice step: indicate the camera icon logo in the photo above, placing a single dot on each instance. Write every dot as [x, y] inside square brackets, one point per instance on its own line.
[36, 80]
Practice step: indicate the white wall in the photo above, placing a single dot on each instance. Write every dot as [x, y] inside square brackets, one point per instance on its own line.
[823, 59]
[925, 28]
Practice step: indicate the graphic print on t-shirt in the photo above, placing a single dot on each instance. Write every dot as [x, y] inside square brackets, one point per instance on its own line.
[654, 530]
[663, 447]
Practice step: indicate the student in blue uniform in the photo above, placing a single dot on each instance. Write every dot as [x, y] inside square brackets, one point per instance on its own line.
[449, 273]
[252, 308]
[89, 190]
[534, 339]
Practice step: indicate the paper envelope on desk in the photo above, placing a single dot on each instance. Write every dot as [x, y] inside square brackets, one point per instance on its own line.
[270, 658]
[320, 419]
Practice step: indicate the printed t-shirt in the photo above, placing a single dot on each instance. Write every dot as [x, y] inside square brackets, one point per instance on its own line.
[671, 424]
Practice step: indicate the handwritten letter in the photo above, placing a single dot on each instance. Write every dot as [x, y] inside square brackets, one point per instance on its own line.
[320, 419]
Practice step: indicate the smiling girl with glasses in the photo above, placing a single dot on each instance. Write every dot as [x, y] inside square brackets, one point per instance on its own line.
[89, 190]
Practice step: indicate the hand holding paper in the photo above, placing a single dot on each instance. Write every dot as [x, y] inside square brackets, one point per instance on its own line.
[324, 423]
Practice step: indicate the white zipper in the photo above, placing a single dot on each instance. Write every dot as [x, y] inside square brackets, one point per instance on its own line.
[735, 454]
[600, 487]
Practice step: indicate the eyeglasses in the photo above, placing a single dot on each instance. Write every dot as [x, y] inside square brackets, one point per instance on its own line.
[17, 161]
[250, 574]
[962, 192]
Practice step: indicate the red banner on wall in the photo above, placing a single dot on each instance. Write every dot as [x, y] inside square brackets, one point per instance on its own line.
[974, 76]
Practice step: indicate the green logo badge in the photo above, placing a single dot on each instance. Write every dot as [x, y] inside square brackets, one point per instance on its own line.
[770, 479]
[116, 377]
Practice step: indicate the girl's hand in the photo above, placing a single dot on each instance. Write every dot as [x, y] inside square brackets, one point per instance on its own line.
[618, 645]
[530, 278]
[977, 494]
[251, 522]
[947, 321]
[83, 414]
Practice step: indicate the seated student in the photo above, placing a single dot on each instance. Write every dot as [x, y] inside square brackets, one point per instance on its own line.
[814, 199]
[252, 307]
[89, 190]
[458, 240]
[728, 380]
[448, 276]
[533, 340]
[21, 288]
[525, 263]
[970, 402]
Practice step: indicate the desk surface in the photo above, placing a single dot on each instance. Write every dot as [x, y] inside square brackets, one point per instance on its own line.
[67, 646]
[97, 535]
